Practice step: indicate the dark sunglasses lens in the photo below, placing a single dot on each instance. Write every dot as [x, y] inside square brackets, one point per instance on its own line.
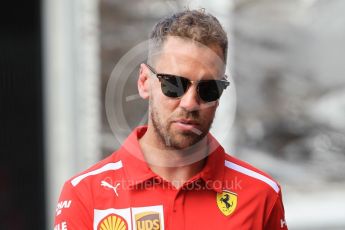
[173, 86]
[210, 90]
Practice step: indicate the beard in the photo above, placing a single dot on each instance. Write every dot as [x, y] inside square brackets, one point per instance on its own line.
[178, 140]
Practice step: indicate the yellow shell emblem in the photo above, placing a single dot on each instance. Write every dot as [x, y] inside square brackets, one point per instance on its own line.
[113, 222]
[227, 202]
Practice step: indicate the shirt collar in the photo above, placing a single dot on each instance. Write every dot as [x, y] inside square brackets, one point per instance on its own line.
[137, 170]
[213, 171]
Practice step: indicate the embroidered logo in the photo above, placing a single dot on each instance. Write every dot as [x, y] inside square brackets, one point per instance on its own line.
[112, 219]
[113, 222]
[227, 202]
[148, 218]
[108, 185]
[148, 221]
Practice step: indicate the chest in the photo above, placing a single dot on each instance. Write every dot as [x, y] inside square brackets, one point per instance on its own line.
[158, 207]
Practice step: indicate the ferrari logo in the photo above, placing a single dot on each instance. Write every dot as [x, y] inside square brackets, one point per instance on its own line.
[227, 202]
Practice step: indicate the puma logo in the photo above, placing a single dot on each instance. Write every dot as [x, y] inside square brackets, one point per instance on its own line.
[106, 184]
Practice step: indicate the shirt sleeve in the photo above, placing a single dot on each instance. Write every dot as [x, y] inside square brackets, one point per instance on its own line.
[72, 211]
[276, 218]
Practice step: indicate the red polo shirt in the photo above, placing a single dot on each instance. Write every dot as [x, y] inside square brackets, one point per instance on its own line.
[121, 192]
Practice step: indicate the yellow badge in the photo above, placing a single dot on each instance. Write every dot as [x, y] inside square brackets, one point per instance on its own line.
[227, 202]
[148, 221]
[112, 222]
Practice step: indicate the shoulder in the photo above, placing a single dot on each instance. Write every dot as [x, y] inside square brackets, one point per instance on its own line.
[250, 176]
[256, 190]
[90, 177]
[111, 163]
[78, 196]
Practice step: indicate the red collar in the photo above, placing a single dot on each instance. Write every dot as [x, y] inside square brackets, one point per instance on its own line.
[137, 170]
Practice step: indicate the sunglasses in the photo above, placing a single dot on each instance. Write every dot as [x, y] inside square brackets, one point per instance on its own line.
[175, 86]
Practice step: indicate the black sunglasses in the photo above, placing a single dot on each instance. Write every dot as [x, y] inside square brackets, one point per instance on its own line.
[175, 86]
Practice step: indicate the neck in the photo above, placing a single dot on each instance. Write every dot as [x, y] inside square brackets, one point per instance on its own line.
[174, 165]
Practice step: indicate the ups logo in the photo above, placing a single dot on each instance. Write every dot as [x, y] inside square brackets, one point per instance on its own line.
[148, 221]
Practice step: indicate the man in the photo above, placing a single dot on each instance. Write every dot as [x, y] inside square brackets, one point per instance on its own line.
[172, 173]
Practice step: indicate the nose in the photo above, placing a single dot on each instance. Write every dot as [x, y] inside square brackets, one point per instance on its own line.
[190, 100]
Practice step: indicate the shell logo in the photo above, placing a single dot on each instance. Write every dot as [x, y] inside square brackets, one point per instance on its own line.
[112, 222]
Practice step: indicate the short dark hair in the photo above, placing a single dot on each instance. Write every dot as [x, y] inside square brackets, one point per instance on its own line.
[196, 25]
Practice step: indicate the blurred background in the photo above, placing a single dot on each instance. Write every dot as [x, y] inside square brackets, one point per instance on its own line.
[284, 112]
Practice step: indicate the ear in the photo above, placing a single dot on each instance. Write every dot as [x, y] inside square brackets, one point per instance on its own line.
[143, 82]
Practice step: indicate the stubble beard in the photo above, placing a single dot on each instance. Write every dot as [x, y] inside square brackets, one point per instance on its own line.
[176, 141]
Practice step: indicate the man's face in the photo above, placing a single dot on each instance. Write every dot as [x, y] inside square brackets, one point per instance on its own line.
[181, 123]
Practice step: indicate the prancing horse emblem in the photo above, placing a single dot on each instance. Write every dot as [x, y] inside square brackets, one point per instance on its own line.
[227, 202]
